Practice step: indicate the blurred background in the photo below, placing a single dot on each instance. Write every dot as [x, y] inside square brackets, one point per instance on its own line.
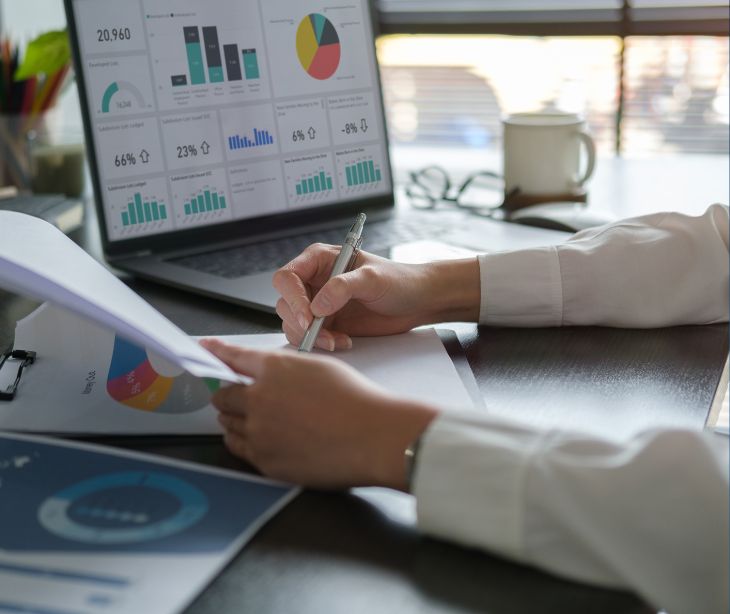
[651, 76]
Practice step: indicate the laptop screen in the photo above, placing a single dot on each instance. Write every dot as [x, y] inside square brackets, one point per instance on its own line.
[202, 112]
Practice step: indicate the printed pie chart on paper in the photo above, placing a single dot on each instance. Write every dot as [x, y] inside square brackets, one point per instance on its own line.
[318, 46]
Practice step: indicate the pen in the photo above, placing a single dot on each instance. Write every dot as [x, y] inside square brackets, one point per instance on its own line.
[344, 261]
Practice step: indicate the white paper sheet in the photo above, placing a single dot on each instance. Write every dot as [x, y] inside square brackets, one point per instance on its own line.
[88, 529]
[87, 380]
[414, 366]
[38, 260]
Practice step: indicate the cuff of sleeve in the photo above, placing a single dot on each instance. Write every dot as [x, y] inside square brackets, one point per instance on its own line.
[522, 288]
[469, 482]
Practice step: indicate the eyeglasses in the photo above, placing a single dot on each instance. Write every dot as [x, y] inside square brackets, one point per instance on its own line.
[481, 192]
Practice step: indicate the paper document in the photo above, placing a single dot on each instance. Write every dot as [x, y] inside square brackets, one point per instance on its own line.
[722, 425]
[38, 260]
[89, 380]
[87, 529]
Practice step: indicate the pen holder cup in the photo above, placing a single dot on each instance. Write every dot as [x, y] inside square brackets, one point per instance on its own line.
[14, 151]
[41, 155]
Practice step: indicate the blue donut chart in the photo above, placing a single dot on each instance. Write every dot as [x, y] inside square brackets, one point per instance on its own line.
[124, 519]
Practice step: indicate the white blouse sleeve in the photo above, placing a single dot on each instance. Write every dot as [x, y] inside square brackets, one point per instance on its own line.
[664, 269]
[649, 514]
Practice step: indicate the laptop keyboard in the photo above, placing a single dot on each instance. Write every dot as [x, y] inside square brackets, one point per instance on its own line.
[235, 262]
[36, 205]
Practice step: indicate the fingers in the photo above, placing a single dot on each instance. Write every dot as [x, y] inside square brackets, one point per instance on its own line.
[234, 425]
[237, 445]
[243, 360]
[326, 340]
[361, 284]
[231, 400]
[287, 316]
[294, 296]
[312, 266]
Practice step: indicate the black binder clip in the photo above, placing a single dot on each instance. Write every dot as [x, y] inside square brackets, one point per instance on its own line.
[25, 359]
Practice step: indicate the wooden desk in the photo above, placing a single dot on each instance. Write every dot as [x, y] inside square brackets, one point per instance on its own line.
[360, 551]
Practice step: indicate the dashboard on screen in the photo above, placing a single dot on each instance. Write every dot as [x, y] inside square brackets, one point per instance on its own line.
[207, 111]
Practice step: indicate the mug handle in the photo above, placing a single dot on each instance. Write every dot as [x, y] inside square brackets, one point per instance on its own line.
[590, 146]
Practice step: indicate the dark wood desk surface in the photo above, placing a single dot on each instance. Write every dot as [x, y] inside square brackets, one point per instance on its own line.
[360, 551]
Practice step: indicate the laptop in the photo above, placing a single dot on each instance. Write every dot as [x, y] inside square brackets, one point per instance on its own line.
[66, 214]
[227, 135]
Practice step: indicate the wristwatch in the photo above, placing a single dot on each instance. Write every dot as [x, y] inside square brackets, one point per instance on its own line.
[411, 458]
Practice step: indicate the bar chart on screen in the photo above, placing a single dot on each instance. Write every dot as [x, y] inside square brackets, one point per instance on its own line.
[240, 64]
[249, 131]
[314, 183]
[201, 198]
[310, 178]
[140, 208]
[205, 57]
[359, 169]
[205, 201]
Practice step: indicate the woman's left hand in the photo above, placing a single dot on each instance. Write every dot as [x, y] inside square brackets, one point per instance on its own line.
[314, 421]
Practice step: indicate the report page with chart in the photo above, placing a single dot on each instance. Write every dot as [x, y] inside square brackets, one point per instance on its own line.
[90, 530]
[86, 379]
[203, 112]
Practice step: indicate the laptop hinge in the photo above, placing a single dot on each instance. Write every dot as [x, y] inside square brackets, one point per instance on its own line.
[139, 254]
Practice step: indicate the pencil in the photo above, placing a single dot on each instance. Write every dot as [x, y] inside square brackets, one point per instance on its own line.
[56, 85]
[28, 95]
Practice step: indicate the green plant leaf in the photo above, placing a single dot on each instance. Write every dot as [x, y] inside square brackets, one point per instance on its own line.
[46, 55]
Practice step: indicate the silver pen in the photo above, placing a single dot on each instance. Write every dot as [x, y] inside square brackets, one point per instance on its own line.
[344, 261]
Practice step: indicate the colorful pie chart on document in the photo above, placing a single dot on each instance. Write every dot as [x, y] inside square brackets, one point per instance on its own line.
[318, 46]
[136, 381]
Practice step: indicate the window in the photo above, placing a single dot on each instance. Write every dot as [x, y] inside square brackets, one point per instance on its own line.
[676, 95]
[452, 90]
[555, 17]
[649, 75]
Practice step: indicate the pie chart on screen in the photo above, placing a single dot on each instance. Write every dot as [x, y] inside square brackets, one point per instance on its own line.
[318, 46]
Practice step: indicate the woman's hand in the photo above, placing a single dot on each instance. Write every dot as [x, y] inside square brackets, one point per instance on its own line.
[314, 421]
[378, 297]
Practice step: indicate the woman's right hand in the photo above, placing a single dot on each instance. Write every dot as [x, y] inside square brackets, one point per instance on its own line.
[377, 297]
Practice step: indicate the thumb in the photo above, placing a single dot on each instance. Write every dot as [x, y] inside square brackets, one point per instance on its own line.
[360, 284]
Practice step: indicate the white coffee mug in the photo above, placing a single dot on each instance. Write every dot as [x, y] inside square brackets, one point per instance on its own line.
[542, 153]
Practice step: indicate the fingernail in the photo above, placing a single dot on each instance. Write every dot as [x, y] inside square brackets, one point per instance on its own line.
[303, 321]
[327, 344]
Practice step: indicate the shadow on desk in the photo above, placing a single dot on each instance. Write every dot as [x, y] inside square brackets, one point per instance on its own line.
[360, 552]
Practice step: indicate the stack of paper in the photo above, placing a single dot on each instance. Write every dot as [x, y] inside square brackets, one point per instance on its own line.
[38, 260]
[109, 363]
